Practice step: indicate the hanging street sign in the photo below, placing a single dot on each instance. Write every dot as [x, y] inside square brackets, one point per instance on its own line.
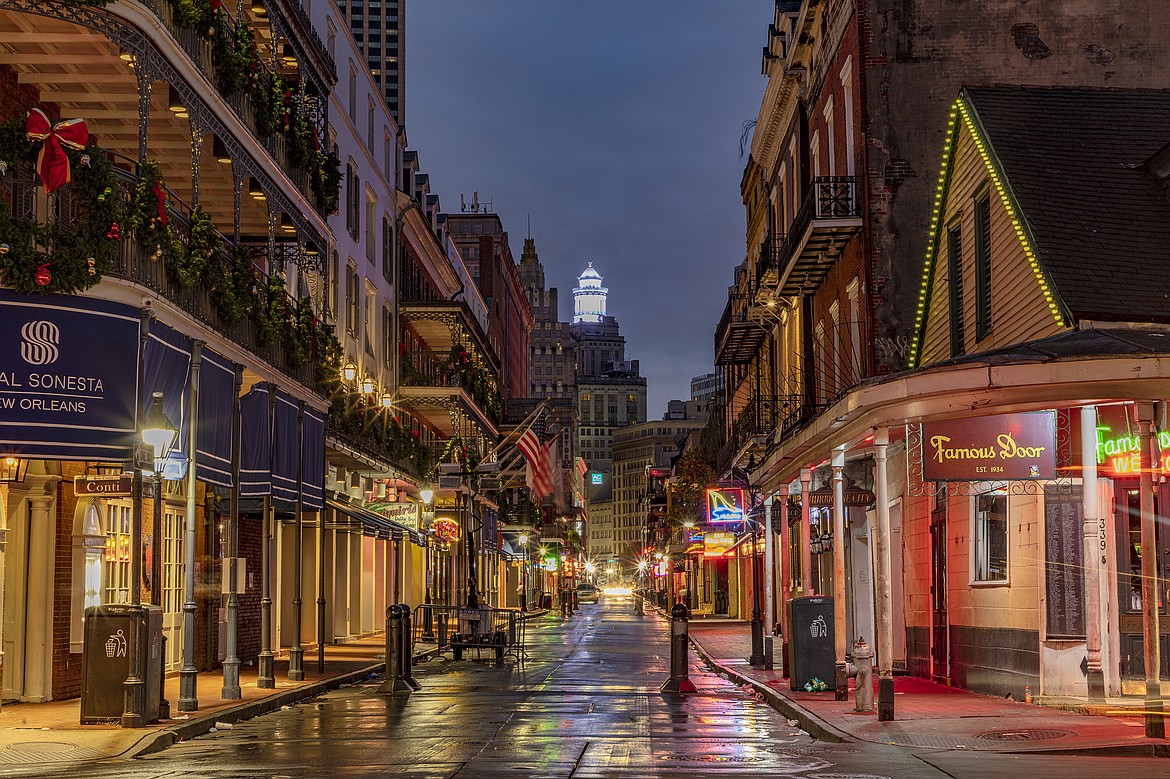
[116, 486]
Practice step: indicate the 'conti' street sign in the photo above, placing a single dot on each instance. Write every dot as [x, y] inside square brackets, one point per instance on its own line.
[119, 485]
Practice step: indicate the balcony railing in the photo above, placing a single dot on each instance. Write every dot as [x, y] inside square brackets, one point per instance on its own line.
[828, 218]
[134, 262]
[760, 419]
[768, 264]
[737, 338]
[425, 369]
[374, 432]
[201, 50]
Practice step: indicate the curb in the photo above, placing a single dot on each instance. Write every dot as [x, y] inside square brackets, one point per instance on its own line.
[823, 731]
[198, 726]
[809, 723]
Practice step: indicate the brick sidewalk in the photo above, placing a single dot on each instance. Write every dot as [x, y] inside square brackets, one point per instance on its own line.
[926, 714]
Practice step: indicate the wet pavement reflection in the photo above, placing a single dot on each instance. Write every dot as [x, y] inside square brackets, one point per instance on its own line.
[584, 704]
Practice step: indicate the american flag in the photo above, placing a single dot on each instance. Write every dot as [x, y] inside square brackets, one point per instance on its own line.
[532, 446]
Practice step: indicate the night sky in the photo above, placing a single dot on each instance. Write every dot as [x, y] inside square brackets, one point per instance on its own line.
[615, 125]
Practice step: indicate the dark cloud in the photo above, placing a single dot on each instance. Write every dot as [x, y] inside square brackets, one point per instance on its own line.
[615, 124]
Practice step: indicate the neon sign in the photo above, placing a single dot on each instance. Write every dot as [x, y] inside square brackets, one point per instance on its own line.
[445, 528]
[1121, 455]
[725, 505]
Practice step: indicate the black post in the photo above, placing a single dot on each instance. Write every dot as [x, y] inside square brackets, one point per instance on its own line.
[757, 656]
[472, 589]
[296, 654]
[395, 682]
[679, 680]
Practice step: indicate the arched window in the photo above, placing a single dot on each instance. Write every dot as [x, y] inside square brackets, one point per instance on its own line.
[89, 562]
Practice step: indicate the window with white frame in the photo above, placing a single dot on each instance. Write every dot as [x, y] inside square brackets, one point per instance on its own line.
[847, 102]
[990, 537]
[116, 576]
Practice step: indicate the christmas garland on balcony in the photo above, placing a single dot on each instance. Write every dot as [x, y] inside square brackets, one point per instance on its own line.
[67, 255]
[457, 450]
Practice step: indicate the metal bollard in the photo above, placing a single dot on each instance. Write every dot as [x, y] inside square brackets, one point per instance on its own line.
[395, 683]
[406, 646]
[639, 606]
[863, 672]
[679, 680]
[441, 620]
[564, 603]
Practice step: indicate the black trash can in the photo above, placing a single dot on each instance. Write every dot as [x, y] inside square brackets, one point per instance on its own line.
[106, 661]
[811, 650]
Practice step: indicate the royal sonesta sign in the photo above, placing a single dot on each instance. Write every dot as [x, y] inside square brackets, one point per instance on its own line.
[1004, 446]
[68, 377]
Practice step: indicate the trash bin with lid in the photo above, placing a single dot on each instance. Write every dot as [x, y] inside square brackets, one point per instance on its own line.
[811, 651]
[106, 661]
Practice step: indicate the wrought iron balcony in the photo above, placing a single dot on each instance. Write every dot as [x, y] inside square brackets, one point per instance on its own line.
[737, 338]
[768, 263]
[758, 421]
[442, 390]
[278, 341]
[828, 218]
[374, 433]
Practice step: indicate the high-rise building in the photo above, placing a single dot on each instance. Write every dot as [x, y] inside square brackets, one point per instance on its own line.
[379, 27]
[483, 244]
[611, 392]
[703, 388]
[637, 450]
[552, 356]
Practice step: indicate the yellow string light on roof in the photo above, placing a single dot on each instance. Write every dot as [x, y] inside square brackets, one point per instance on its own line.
[959, 109]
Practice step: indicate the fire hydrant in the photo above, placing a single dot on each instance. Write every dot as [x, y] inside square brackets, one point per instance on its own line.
[863, 673]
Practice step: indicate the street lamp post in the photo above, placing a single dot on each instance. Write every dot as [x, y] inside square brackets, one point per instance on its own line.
[160, 435]
[524, 575]
[757, 656]
[426, 495]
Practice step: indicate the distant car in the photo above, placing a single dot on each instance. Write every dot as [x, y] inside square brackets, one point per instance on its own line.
[587, 593]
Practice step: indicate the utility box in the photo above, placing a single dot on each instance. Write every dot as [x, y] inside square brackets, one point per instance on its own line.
[107, 660]
[811, 650]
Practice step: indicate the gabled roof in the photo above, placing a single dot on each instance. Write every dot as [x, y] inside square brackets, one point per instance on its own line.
[1094, 222]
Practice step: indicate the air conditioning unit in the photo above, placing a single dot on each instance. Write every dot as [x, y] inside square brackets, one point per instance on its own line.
[450, 482]
[489, 483]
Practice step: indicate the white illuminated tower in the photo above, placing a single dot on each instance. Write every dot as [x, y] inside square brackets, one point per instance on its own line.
[589, 297]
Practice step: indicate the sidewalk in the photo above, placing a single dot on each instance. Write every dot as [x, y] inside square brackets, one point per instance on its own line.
[927, 714]
[51, 733]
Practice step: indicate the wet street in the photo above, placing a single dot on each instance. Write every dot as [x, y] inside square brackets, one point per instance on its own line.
[585, 703]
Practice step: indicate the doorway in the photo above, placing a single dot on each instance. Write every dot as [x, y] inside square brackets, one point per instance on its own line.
[722, 599]
[940, 645]
[174, 567]
[1127, 526]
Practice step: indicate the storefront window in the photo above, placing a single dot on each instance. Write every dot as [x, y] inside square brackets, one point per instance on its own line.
[991, 542]
[116, 576]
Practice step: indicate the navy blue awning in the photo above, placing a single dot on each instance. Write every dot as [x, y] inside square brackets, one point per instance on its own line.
[166, 368]
[213, 434]
[256, 443]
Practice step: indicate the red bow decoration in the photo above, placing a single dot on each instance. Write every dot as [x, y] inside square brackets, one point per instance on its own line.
[161, 195]
[53, 163]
